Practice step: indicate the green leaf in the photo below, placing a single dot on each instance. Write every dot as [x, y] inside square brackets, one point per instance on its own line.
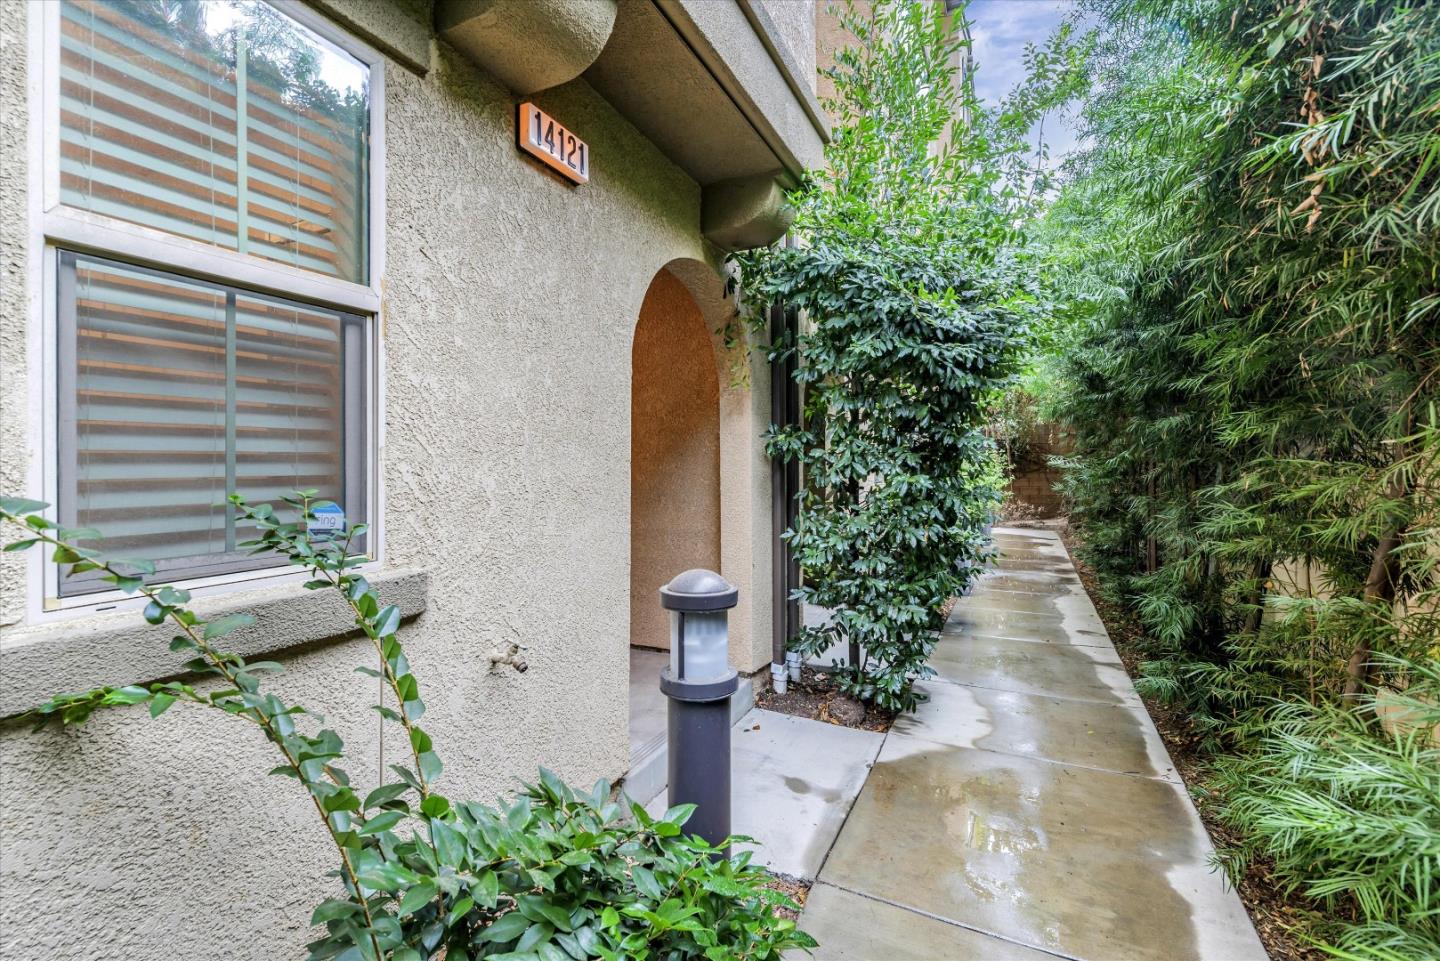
[333, 909]
[435, 806]
[461, 908]
[225, 624]
[387, 622]
[645, 882]
[383, 821]
[408, 776]
[679, 814]
[507, 927]
[160, 703]
[534, 936]
[449, 843]
[21, 505]
[416, 898]
[486, 889]
[384, 794]
[430, 766]
[538, 908]
[128, 695]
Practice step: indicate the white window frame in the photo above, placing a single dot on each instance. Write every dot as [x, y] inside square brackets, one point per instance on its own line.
[54, 226]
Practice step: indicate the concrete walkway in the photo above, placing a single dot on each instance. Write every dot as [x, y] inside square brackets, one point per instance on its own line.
[1028, 810]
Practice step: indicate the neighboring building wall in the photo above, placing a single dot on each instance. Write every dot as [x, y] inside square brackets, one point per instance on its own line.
[674, 453]
[510, 302]
[830, 37]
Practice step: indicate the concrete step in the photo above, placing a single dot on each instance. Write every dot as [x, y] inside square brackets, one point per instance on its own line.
[649, 771]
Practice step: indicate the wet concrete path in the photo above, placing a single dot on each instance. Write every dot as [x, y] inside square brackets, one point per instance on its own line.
[1028, 810]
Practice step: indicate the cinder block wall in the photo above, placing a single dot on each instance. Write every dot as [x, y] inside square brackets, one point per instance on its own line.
[1033, 483]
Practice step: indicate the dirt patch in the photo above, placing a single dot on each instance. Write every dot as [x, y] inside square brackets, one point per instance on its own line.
[793, 889]
[1279, 917]
[946, 608]
[1017, 510]
[816, 697]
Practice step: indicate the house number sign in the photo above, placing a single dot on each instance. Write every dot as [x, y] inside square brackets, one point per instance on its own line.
[541, 136]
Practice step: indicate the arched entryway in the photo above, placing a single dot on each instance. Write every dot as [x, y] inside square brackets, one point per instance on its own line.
[699, 485]
[674, 452]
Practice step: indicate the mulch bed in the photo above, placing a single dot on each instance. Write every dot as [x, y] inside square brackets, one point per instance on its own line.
[1278, 916]
[796, 891]
[816, 697]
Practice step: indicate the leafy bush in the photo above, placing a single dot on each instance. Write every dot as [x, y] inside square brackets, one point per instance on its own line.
[549, 875]
[916, 303]
[1350, 814]
[1245, 258]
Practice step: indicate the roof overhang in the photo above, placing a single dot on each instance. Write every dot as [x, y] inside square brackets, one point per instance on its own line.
[705, 81]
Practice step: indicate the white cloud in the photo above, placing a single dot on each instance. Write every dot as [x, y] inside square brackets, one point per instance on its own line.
[1000, 29]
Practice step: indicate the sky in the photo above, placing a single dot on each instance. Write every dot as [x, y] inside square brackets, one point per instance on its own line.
[999, 30]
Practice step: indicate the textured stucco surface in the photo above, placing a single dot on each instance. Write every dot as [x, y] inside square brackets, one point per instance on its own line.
[674, 453]
[794, 20]
[510, 300]
[529, 45]
[723, 28]
[14, 295]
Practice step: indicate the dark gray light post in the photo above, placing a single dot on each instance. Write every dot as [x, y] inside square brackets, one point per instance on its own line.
[699, 683]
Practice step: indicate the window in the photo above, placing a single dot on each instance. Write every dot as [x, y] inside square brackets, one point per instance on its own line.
[175, 392]
[224, 122]
[208, 222]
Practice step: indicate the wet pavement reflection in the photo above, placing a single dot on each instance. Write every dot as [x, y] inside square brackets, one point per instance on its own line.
[1028, 809]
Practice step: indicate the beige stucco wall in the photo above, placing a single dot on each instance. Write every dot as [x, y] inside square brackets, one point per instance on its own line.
[674, 453]
[795, 22]
[510, 300]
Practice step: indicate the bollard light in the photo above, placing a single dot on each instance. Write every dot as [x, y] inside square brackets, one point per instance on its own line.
[699, 625]
[699, 682]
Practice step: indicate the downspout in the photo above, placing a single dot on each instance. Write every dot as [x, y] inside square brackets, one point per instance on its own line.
[787, 617]
[779, 554]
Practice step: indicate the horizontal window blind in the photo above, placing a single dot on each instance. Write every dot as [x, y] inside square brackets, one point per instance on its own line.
[223, 121]
[175, 392]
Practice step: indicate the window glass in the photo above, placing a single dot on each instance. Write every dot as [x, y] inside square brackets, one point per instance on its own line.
[175, 392]
[224, 121]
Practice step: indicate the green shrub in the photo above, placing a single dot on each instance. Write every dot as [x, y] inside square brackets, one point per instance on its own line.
[917, 303]
[549, 875]
[1350, 813]
[1245, 255]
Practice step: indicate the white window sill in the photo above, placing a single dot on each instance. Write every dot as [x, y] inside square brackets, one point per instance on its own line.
[116, 649]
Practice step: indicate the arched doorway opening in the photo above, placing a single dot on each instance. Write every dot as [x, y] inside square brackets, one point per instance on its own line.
[674, 452]
[675, 519]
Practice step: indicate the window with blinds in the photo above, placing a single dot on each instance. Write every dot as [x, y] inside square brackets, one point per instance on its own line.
[231, 124]
[175, 392]
[224, 121]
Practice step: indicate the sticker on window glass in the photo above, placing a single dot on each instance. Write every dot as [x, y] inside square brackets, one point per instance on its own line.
[328, 521]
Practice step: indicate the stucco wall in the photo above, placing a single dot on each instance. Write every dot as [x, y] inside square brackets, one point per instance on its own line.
[674, 453]
[510, 299]
[795, 21]
[13, 291]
